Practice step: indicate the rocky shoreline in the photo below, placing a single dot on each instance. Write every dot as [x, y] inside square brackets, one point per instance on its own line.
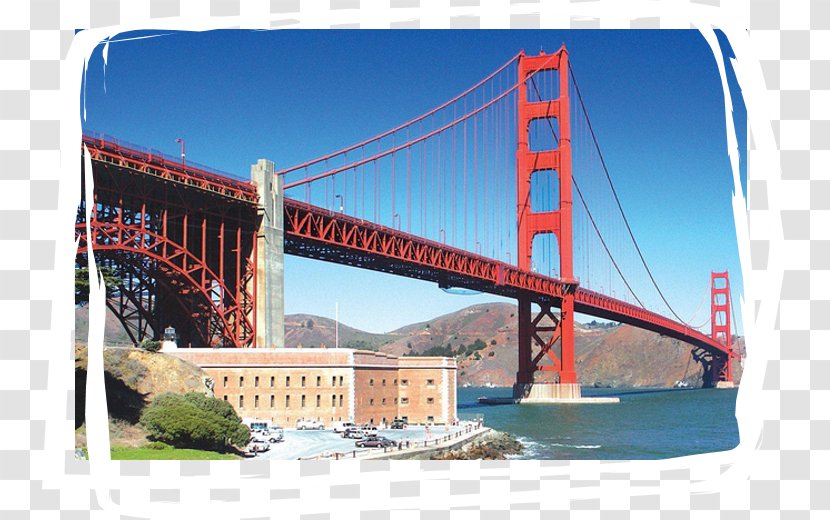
[493, 445]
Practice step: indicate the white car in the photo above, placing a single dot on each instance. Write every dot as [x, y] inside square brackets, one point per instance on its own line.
[272, 435]
[309, 424]
[340, 426]
[256, 446]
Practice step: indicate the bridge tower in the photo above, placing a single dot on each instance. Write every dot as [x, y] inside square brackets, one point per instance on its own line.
[530, 223]
[721, 305]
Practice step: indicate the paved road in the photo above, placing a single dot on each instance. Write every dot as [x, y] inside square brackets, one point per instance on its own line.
[309, 443]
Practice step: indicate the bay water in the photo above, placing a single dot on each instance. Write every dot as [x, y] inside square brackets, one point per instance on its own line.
[645, 424]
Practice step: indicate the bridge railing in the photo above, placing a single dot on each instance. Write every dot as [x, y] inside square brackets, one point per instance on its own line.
[102, 140]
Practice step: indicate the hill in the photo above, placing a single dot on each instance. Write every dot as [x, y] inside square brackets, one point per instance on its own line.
[483, 338]
[307, 330]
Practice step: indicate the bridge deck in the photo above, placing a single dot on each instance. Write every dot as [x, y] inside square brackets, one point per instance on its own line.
[314, 232]
[318, 233]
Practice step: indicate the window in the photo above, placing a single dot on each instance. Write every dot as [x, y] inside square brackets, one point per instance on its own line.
[272, 401]
[256, 401]
[272, 381]
[383, 383]
[383, 401]
[241, 381]
[404, 382]
[288, 401]
[302, 382]
[333, 380]
[333, 400]
[241, 401]
[287, 381]
[341, 399]
[430, 400]
[404, 400]
[371, 402]
[256, 382]
[430, 382]
[302, 401]
[318, 400]
[395, 382]
[430, 418]
[318, 380]
[371, 382]
[225, 382]
[225, 397]
[341, 380]
[396, 400]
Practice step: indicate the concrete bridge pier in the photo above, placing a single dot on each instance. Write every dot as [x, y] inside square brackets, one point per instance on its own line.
[270, 306]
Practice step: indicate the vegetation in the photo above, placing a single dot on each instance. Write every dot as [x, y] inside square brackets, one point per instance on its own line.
[594, 324]
[169, 453]
[110, 279]
[359, 344]
[194, 420]
[448, 350]
[150, 345]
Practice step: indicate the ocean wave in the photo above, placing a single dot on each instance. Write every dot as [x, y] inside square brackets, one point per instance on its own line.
[577, 446]
[531, 448]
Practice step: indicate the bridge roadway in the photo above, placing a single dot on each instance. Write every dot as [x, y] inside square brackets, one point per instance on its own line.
[318, 233]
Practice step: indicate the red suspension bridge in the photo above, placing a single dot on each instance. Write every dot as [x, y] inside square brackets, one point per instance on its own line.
[503, 189]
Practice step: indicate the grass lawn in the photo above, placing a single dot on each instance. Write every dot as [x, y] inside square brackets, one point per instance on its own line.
[124, 453]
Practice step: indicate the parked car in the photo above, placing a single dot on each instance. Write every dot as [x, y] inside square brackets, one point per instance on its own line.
[340, 426]
[374, 442]
[353, 433]
[257, 446]
[369, 429]
[272, 434]
[399, 424]
[309, 424]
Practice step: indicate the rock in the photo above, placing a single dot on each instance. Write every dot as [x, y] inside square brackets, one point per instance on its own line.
[133, 377]
[492, 445]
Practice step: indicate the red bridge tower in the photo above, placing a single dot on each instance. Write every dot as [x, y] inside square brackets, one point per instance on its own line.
[722, 327]
[530, 223]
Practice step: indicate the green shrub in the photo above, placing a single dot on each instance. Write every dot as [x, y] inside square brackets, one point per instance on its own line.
[194, 420]
[157, 445]
[150, 345]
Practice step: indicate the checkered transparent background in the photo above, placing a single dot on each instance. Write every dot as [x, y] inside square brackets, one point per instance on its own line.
[780, 470]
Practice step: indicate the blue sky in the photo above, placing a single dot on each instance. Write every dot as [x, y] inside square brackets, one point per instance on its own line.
[654, 98]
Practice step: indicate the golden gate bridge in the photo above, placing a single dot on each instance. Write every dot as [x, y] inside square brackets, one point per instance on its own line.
[502, 189]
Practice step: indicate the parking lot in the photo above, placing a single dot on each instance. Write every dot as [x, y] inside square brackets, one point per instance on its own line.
[303, 444]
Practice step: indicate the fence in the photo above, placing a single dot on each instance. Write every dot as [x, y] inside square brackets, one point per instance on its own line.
[401, 445]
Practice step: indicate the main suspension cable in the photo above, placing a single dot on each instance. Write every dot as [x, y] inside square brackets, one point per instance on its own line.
[617, 199]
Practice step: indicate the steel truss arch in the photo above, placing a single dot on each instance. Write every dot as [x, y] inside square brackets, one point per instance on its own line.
[227, 323]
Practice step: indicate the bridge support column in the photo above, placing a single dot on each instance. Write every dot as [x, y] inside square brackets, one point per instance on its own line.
[270, 304]
[721, 306]
[532, 223]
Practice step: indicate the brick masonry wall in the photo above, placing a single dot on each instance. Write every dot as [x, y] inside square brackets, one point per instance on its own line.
[385, 386]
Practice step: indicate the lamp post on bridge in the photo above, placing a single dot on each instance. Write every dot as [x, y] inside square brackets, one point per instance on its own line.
[181, 141]
[342, 201]
[396, 216]
[443, 234]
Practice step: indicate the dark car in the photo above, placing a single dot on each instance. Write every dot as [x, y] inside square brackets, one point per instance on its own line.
[374, 442]
[399, 424]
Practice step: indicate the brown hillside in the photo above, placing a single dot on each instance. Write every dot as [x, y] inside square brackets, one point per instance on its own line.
[133, 377]
[618, 356]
